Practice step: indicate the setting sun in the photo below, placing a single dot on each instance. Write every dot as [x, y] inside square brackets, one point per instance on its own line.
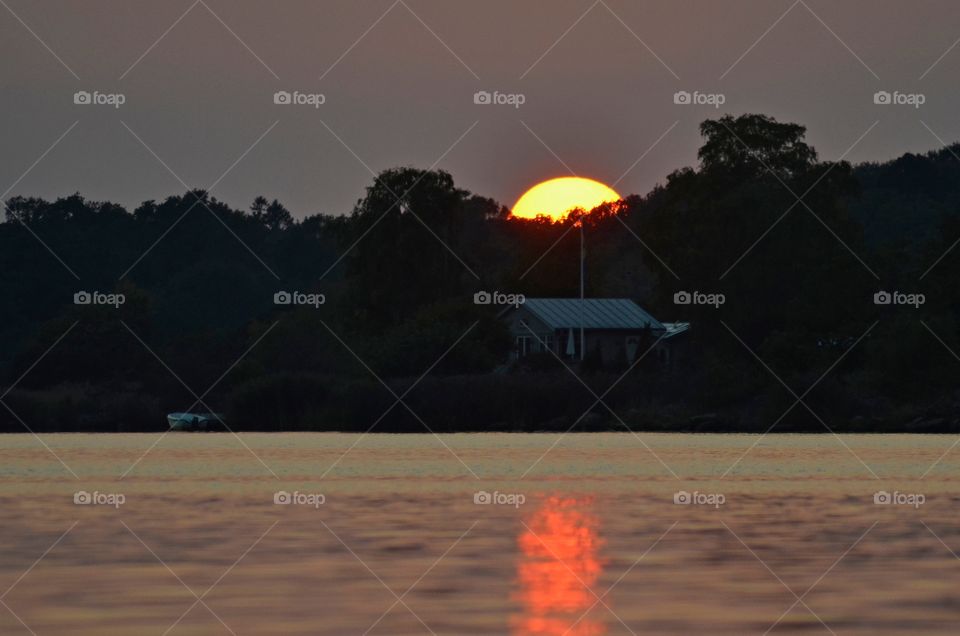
[556, 197]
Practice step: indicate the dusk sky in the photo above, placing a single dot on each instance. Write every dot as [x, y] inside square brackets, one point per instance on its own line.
[199, 90]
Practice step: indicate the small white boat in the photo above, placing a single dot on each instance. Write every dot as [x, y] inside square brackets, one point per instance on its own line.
[195, 421]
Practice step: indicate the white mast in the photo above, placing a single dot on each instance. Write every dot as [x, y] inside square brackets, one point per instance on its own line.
[582, 256]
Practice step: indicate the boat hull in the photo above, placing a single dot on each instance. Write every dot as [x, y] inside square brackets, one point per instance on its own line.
[194, 421]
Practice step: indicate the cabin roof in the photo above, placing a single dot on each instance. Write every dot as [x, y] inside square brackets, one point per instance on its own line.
[593, 313]
[675, 328]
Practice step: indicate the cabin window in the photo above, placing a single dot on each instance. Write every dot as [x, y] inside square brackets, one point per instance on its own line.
[523, 346]
[548, 343]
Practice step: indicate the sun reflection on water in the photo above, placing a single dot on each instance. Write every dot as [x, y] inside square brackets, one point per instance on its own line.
[558, 567]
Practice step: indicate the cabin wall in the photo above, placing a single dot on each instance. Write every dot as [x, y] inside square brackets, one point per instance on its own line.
[521, 323]
[614, 345]
[530, 334]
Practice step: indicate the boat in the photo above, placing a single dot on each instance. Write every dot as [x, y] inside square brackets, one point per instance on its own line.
[195, 421]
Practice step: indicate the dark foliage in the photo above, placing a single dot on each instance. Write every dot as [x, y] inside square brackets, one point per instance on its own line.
[798, 247]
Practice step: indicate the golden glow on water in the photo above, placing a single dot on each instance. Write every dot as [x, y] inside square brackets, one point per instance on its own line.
[558, 567]
[601, 502]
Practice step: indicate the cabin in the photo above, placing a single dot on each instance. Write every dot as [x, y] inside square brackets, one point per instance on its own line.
[616, 329]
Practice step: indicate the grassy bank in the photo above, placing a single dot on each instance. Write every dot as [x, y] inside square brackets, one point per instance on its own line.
[490, 402]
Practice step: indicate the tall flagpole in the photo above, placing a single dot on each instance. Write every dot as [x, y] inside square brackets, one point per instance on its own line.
[582, 255]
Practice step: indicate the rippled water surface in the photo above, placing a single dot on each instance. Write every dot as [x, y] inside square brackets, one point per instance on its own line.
[582, 537]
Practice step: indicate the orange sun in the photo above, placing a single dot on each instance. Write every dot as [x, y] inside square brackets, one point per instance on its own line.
[556, 197]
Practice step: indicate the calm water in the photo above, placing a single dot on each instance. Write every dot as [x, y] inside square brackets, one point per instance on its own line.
[583, 541]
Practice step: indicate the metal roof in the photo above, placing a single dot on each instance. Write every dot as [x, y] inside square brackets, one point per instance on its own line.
[674, 328]
[594, 313]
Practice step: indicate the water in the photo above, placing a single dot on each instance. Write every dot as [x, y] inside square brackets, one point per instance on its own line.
[587, 539]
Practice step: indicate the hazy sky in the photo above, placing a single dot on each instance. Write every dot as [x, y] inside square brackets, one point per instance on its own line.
[598, 97]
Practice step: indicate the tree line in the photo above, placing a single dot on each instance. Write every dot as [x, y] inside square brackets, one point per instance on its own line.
[798, 246]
